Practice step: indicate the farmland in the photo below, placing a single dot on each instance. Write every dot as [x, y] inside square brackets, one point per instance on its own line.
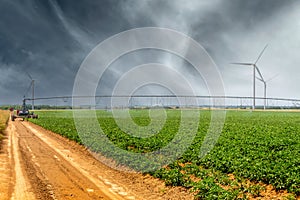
[254, 151]
[4, 115]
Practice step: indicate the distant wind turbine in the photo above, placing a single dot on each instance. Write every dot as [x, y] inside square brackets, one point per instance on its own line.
[255, 68]
[32, 87]
[265, 87]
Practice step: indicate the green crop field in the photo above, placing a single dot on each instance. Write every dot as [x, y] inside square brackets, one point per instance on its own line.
[255, 149]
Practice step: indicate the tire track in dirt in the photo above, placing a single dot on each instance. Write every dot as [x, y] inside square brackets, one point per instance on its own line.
[44, 165]
[22, 189]
[52, 175]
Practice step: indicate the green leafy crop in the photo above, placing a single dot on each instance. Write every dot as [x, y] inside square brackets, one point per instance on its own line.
[255, 147]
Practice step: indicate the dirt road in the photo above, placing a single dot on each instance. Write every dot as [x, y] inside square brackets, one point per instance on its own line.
[38, 164]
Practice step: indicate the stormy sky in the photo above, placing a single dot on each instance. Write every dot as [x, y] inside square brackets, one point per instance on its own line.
[49, 39]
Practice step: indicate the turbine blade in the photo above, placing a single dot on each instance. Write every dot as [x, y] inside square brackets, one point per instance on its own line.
[249, 64]
[259, 79]
[272, 77]
[28, 89]
[261, 53]
[29, 76]
[259, 73]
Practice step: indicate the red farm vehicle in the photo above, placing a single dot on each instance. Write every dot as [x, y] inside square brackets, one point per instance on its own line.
[24, 113]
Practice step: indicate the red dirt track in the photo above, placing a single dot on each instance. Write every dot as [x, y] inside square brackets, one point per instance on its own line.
[38, 164]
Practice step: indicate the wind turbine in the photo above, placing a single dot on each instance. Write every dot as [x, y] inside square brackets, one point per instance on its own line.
[32, 87]
[255, 68]
[265, 88]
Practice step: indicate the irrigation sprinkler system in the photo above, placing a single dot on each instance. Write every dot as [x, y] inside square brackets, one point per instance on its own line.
[278, 103]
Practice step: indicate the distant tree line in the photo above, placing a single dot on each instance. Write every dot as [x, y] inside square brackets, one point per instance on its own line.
[36, 107]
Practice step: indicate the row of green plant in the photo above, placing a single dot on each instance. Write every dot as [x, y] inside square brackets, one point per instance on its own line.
[256, 147]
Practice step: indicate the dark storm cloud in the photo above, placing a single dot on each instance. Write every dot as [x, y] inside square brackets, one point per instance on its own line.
[34, 42]
[49, 39]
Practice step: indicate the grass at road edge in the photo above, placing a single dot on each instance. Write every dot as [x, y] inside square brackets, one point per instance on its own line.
[4, 116]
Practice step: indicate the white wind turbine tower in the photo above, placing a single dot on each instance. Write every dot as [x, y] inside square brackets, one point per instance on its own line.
[32, 89]
[265, 88]
[255, 68]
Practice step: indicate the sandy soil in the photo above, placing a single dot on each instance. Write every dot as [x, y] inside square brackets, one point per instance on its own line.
[39, 164]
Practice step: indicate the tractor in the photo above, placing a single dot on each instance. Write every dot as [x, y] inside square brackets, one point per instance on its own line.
[23, 113]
